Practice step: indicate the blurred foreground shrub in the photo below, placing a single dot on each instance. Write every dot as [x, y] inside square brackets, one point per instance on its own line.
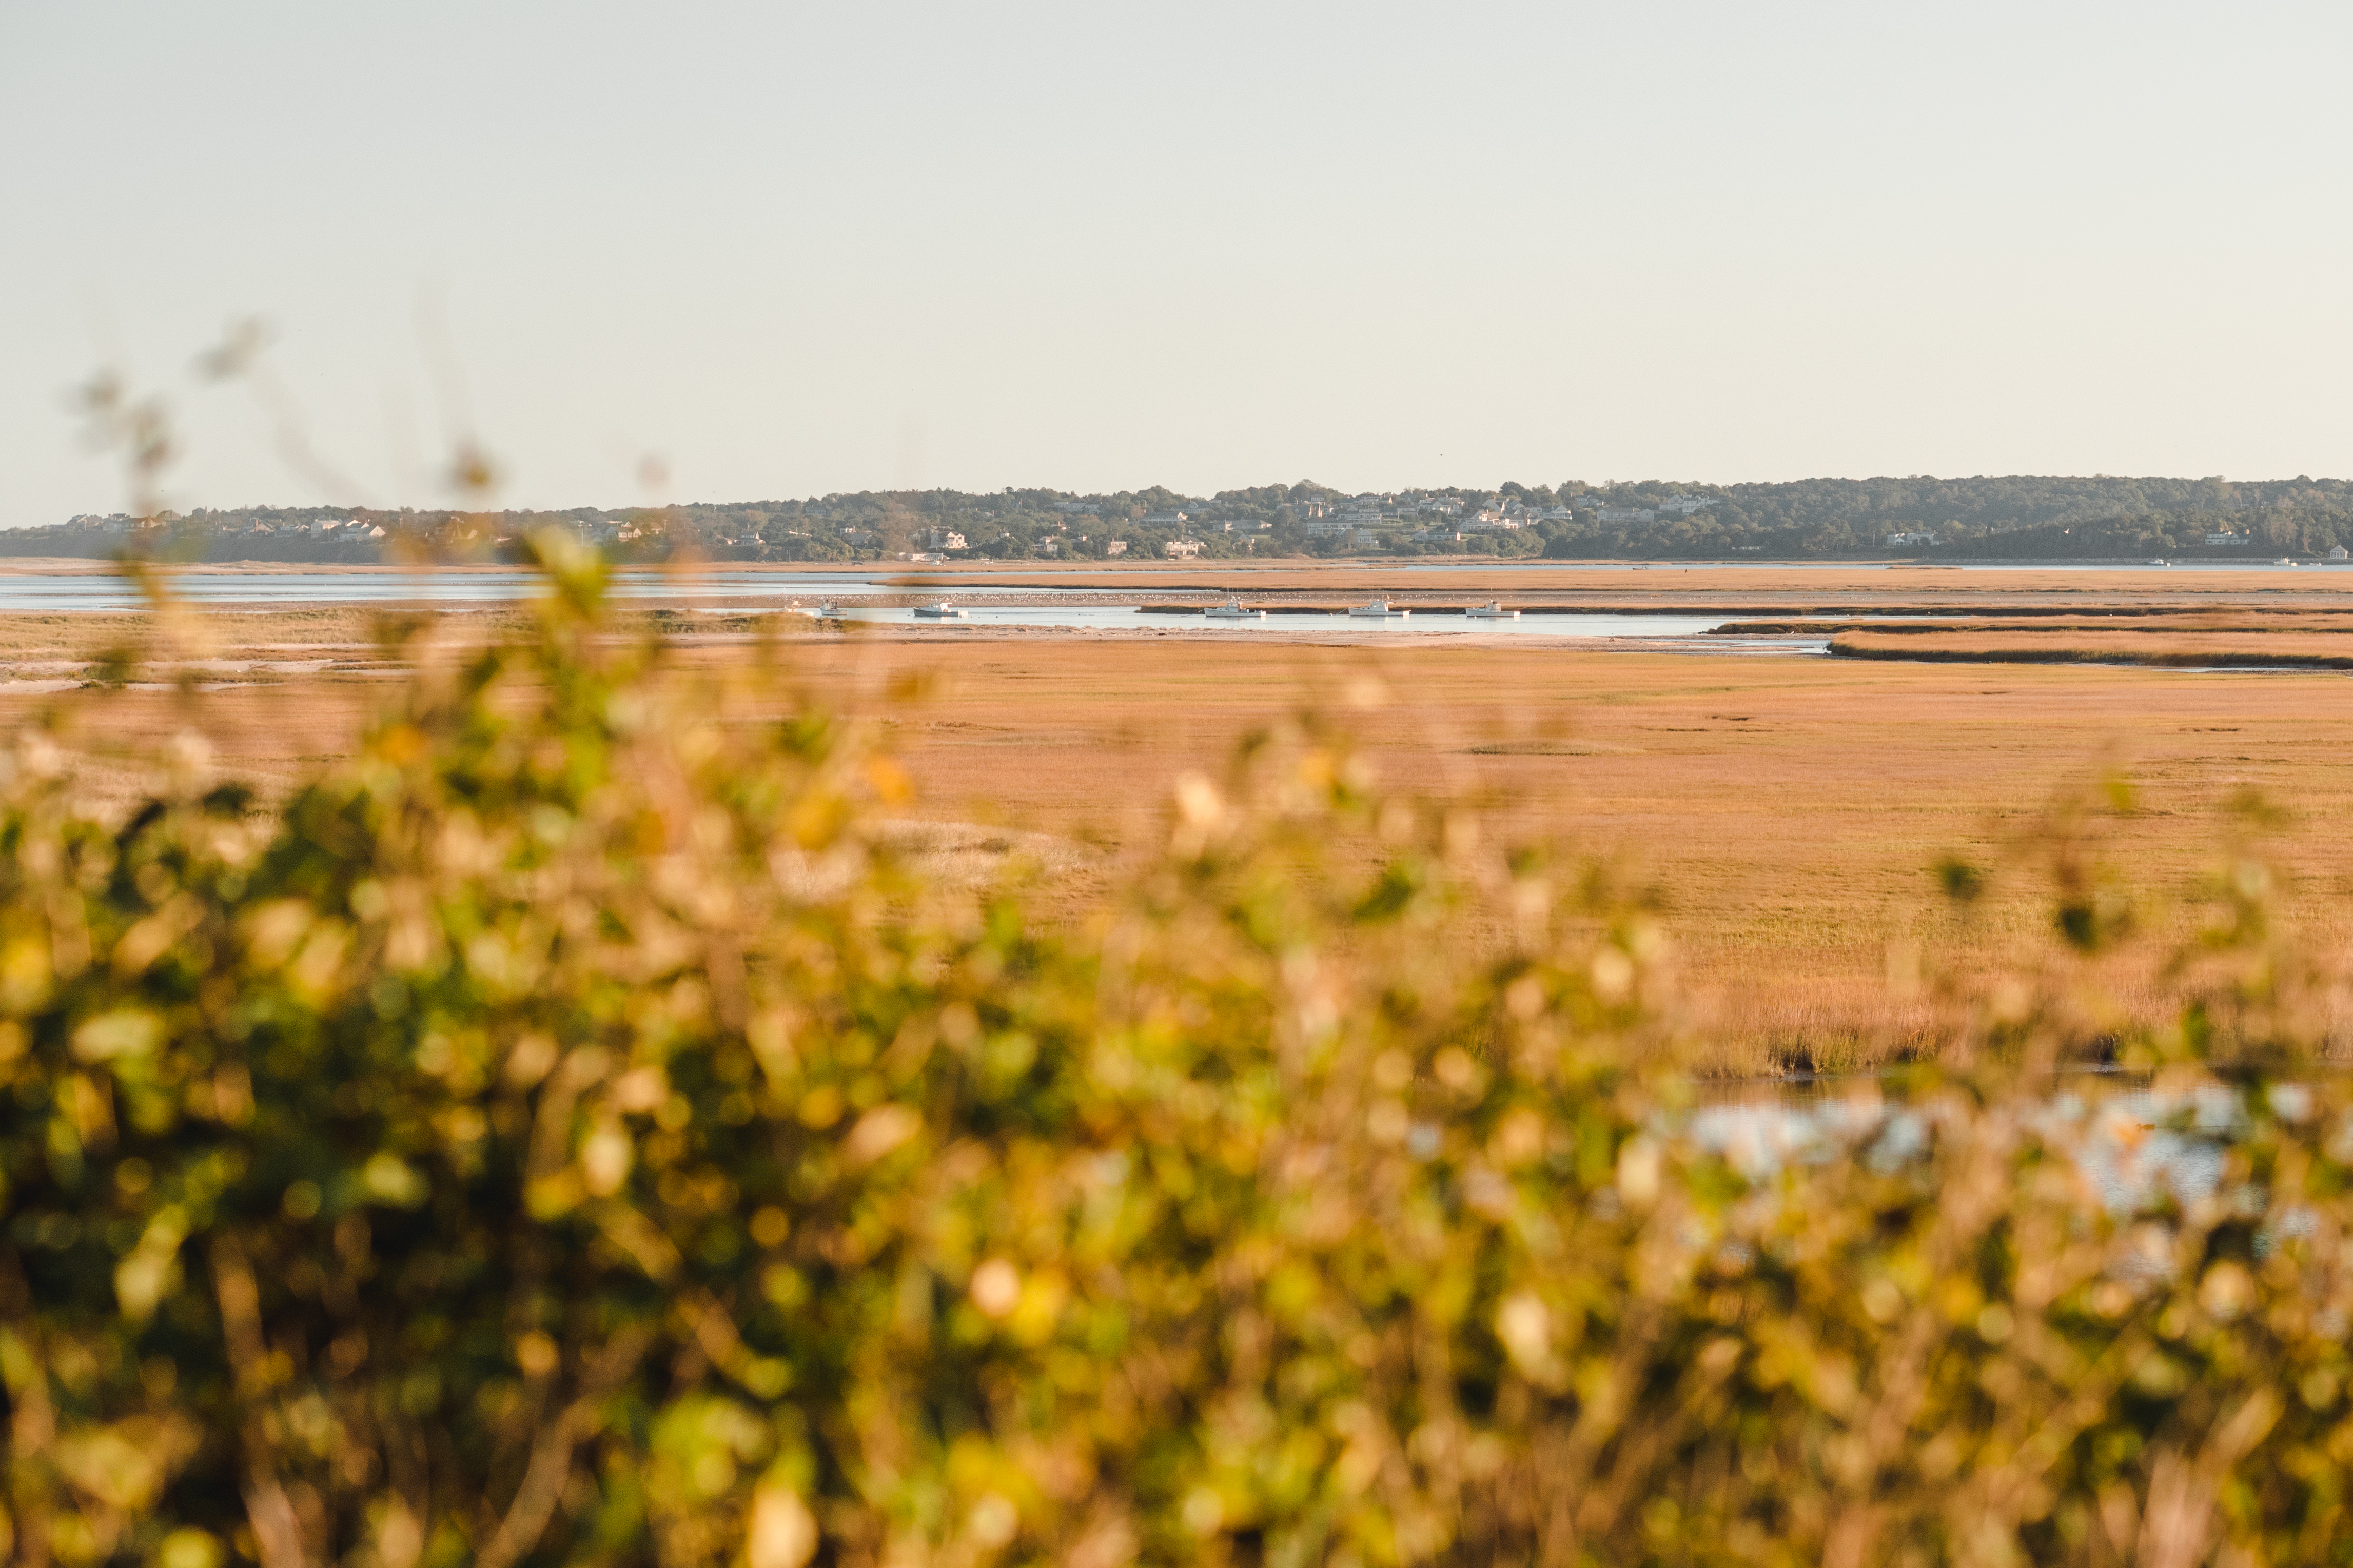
[562, 1136]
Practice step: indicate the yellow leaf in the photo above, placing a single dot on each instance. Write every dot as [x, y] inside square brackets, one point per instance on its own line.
[125, 1032]
[879, 1131]
[783, 1533]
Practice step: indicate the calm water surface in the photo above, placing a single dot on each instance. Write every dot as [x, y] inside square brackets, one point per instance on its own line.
[282, 590]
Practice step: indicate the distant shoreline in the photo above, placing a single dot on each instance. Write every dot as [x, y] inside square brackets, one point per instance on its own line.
[958, 572]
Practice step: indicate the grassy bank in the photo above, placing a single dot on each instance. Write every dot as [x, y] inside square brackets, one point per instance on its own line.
[2154, 647]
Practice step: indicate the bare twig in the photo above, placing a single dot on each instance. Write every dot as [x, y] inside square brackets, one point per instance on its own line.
[533, 1503]
[276, 1531]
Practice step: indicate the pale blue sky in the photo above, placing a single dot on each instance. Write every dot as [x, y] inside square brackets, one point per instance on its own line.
[793, 249]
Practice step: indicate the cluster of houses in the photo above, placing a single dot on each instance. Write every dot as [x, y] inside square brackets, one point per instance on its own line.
[1673, 506]
[1360, 518]
[122, 524]
[2221, 539]
[1363, 522]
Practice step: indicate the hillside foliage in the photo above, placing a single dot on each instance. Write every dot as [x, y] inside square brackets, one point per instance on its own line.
[2016, 517]
[562, 1134]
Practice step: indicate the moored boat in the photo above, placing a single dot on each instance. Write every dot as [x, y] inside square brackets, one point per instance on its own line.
[1379, 609]
[1492, 610]
[940, 611]
[1232, 610]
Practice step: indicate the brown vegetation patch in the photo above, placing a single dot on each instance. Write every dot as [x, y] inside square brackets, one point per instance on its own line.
[1787, 812]
[2246, 648]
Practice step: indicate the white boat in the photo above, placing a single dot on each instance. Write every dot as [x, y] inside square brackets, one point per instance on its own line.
[942, 611]
[1231, 610]
[1492, 610]
[1379, 609]
[2282, 561]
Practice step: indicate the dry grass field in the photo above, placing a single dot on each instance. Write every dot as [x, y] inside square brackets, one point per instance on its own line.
[1784, 812]
[2286, 642]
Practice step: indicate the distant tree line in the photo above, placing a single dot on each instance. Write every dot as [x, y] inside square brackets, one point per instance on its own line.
[2021, 517]
[2012, 517]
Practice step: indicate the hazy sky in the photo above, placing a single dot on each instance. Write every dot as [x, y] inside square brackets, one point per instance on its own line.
[798, 249]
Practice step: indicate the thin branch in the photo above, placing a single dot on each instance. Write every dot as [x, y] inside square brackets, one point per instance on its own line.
[276, 1531]
[542, 1487]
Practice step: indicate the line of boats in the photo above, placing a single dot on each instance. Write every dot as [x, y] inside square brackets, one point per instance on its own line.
[1372, 609]
[826, 610]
